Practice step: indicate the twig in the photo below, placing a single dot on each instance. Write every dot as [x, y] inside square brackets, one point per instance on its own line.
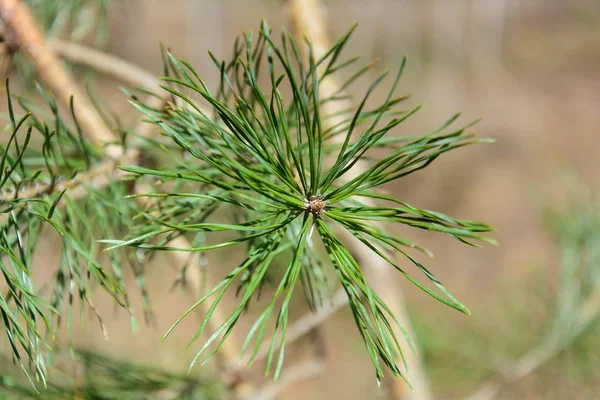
[296, 373]
[105, 63]
[23, 33]
[307, 18]
[97, 175]
[519, 369]
[303, 325]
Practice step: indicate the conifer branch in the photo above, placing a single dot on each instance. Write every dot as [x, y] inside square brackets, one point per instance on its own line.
[283, 189]
[308, 19]
[97, 176]
[272, 160]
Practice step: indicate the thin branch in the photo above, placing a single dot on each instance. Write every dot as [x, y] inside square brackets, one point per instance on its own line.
[97, 176]
[307, 18]
[23, 33]
[105, 63]
[519, 370]
[302, 325]
[296, 373]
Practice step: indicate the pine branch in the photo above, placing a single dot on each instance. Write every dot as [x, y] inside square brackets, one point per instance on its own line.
[308, 19]
[102, 174]
[282, 190]
[63, 153]
[98, 176]
[278, 170]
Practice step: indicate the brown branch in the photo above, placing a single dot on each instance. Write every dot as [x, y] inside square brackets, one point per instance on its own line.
[105, 63]
[307, 18]
[23, 33]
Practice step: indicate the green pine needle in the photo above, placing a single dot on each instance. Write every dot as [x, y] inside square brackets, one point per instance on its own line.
[265, 159]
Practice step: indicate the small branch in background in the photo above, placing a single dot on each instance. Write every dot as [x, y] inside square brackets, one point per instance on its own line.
[105, 63]
[23, 33]
[304, 324]
[308, 19]
[296, 373]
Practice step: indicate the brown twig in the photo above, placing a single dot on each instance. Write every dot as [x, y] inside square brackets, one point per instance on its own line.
[307, 17]
[98, 176]
[105, 63]
[303, 325]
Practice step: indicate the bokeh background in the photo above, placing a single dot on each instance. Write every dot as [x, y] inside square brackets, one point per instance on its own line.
[531, 69]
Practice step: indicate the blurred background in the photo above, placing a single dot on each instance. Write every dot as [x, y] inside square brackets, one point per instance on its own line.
[531, 69]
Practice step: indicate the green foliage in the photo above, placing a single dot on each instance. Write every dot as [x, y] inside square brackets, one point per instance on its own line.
[268, 161]
[76, 17]
[101, 377]
[272, 163]
[33, 206]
